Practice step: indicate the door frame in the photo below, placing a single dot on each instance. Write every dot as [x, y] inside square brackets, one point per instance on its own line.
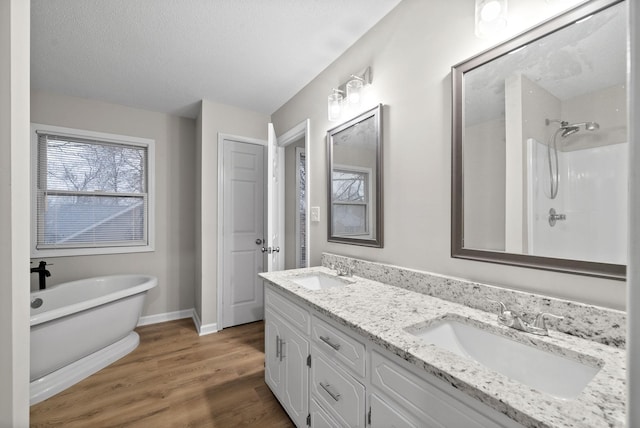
[220, 244]
[302, 129]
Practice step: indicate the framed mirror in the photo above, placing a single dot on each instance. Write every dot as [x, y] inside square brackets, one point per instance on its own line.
[354, 153]
[540, 146]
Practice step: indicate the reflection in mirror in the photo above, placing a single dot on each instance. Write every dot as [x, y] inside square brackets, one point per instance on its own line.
[540, 146]
[354, 171]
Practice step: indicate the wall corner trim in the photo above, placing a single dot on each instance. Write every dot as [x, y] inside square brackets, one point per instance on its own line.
[203, 329]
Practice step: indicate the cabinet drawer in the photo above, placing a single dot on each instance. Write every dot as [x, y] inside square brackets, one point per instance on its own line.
[383, 415]
[337, 392]
[426, 400]
[339, 346]
[291, 312]
[320, 418]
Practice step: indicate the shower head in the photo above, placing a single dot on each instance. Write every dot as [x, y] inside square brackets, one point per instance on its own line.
[572, 128]
[591, 126]
[569, 130]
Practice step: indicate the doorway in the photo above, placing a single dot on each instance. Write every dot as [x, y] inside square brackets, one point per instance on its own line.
[296, 190]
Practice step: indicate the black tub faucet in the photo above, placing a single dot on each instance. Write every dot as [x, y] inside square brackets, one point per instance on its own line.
[43, 273]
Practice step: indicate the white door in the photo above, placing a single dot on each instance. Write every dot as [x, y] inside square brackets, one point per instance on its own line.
[275, 203]
[243, 232]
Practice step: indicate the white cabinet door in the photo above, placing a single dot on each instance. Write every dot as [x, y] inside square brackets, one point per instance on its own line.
[429, 399]
[382, 415]
[295, 351]
[320, 418]
[273, 368]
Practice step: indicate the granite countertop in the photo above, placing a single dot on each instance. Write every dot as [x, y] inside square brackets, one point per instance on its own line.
[382, 312]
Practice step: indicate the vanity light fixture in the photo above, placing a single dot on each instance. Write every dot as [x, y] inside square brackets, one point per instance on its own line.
[354, 91]
[352, 98]
[491, 17]
[334, 105]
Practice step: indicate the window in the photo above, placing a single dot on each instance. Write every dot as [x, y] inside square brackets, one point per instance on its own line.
[351, 201]
[92, 192]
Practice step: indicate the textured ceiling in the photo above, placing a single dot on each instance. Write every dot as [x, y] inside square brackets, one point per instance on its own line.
[585, 57]
[166, 55]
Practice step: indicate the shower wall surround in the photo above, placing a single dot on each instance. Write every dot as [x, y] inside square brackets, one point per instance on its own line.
[602, 325]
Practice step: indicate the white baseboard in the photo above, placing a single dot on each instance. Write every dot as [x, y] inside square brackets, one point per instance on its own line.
[206, 328]
[167, 316]
[177, 315]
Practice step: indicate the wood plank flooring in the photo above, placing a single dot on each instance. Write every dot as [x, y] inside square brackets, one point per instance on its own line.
[175, 378]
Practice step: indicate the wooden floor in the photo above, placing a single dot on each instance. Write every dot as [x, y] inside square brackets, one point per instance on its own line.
[175, 378]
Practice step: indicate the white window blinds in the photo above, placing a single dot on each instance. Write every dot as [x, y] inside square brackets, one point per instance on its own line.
[90, 193]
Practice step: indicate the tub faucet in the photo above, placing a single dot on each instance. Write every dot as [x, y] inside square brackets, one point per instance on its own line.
[43, 273]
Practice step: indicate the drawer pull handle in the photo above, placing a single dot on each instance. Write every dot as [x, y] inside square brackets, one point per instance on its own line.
[277, 346]
[328, 341]
[327, 387]
[281, 343]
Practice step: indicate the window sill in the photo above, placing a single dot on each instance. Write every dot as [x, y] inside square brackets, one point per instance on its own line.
[66, 252]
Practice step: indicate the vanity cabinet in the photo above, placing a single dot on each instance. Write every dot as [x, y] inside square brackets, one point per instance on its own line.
[402, 397]
[383, 415]
[339, 393]
[319, 418]
[286, 363]
[326, 376]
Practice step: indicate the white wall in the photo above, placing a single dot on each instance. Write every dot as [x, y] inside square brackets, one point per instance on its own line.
[592, 193]
[14, 203]
[608, 107]
[213, 119]
[173, 260]
[633, 270]
[484, 184]
[411, 52]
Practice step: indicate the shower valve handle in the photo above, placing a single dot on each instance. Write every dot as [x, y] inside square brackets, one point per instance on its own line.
[553, 217]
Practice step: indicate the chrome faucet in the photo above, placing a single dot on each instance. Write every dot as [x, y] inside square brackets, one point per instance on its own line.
[510, 319]
[342, 268]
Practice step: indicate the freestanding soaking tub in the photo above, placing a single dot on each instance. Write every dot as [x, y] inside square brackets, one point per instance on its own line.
[80, 327]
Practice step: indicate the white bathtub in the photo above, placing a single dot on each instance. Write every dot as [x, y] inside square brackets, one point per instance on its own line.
[82, 327]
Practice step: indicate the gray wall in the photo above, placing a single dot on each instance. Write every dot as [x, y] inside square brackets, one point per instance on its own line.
[173, 260]
[215, 119]
[411, 52]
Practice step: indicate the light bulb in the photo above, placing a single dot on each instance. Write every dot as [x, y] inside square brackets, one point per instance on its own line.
[334, 106]
[491, 17]
[354, 92]
[490, 11]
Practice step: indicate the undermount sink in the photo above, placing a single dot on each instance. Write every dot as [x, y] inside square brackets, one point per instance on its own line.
[539, 369]
[318, 281]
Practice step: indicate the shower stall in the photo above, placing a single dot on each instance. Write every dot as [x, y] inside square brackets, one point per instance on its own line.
[576, 194]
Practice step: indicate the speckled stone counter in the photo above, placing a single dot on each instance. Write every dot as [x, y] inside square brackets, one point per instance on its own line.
[382, 313]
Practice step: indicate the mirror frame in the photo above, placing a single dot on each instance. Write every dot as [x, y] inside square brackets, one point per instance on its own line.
[376, 113]
[581, 267]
